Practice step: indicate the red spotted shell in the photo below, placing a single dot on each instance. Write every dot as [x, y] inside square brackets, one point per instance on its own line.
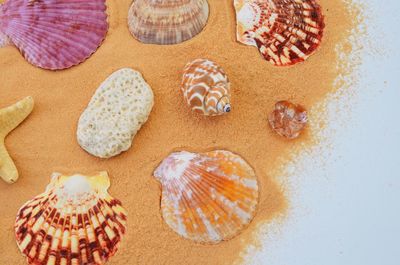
[75, 221]
[285, 31]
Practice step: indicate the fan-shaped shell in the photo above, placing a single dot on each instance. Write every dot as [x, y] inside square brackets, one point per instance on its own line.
[207, 197]
[167, 21]
[75, 221]
[285, 31]
[206, 88]
[54, 34]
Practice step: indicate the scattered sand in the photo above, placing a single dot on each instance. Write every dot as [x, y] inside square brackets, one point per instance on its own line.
[46, 142]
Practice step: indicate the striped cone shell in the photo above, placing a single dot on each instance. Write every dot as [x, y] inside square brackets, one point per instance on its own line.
[75, 221]
[285, 31]
[207, 197]
[167, 21]
[206, 88]
[54, 34]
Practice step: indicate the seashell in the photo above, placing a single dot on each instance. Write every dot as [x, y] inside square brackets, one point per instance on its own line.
[285, 31]
[75, 221]
[54, 34]
[206, 88]
[288, 119]
[207, 197]
[116, 112]
[10, 118]
[167, 21]
[4, 40]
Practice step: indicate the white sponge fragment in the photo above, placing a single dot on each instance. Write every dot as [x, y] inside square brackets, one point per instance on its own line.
[119, 107]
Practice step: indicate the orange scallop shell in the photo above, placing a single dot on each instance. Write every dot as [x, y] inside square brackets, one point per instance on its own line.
[207, 197]
[75, 221]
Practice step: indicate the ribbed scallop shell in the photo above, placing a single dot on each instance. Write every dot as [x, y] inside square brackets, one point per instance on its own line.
[75, 221]
[285, 31]
[54, 34]
[167, 21]
[206, 88]
[207, 197]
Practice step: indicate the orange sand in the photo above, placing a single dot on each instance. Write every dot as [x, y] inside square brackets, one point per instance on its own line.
[46, 142]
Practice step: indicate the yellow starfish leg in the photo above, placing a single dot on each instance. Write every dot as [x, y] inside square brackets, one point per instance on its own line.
[10, 118]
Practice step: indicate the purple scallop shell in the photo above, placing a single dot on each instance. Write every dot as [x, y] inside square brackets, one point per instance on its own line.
[54, 34]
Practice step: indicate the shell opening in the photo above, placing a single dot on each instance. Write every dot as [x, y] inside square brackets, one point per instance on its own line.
[224, 105]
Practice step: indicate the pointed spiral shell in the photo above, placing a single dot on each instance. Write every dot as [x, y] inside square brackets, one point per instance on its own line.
[206, 88]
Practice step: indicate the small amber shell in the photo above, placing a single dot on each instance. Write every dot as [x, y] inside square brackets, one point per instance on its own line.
[288, 119]
[75, 221]
[206, 88]
[207, 197]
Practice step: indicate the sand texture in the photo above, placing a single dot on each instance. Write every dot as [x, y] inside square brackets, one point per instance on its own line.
[46, 141]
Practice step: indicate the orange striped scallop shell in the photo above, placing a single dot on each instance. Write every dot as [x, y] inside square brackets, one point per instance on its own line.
[206, 88]
[75, 221]
[207, 197]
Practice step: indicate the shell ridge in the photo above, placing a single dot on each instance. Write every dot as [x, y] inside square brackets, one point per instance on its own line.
[224, 200]
[207, 178]
[84, 22]
[212, 206]
[200, 222]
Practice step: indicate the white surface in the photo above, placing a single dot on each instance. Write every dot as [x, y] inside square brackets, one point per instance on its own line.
[345, 194]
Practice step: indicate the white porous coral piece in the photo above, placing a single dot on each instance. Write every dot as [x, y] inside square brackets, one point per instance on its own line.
[116, 112]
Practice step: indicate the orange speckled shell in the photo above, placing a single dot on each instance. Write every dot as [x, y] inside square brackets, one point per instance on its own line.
[75, 221]
[207, 197]
[285, 31]
[206, 88]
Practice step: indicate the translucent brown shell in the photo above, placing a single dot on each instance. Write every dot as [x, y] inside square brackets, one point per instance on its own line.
[207, 197]
[288, 119]
[75, 221]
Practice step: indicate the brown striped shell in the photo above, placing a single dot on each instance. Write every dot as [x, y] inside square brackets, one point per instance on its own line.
[75, 221]
[207, 197]
[285, 31]
[206, 88]
[167, 21]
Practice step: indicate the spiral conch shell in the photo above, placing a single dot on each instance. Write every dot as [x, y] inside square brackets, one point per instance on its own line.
[75, 221]
[285, 31]
[207, 197]
[206, 88]
[167, 21]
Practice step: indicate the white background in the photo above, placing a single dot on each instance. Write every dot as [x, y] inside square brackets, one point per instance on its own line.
[345, 194]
